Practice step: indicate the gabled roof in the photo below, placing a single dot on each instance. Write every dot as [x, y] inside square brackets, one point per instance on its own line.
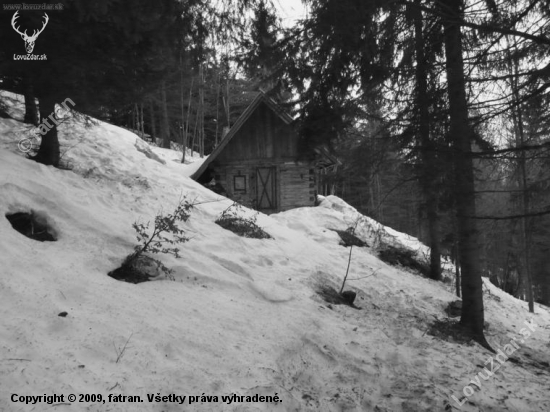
[260, 98]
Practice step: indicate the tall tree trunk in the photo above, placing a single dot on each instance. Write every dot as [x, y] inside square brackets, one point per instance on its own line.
[226, 102]
[517, 119]
[461, 136]
[153, 121]
[31, 111]
[195, 130]
[218, 89]
[456, 259]
[186, 133]
[429, 175]
[164, 124]
[201, 110]
[136, 119]
[183, 134]
[48, 153]
[457, 274]
[142, 121]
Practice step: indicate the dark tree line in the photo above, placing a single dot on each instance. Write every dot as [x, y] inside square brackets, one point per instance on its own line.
[151, 66]
[426, 72]
[105, 55]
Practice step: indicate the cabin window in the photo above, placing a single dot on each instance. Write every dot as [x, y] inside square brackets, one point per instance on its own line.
[239, 184]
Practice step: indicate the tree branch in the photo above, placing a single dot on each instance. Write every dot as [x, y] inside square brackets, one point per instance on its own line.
[511, 217]
[488, 27]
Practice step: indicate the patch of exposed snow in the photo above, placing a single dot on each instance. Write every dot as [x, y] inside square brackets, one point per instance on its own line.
[242, 315]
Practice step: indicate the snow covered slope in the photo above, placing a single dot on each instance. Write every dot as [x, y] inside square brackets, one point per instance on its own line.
[242, 316]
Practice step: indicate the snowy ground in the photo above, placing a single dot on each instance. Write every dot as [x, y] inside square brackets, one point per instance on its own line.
[242, 316]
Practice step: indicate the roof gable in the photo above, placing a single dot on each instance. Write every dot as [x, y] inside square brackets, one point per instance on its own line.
[260, 98]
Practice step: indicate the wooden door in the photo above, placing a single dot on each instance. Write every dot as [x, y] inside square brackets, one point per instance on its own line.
[266, 188]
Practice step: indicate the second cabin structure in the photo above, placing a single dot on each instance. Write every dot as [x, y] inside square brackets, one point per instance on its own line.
[257, 162]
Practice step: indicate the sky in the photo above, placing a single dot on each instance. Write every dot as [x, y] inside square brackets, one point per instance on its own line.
[291, 10]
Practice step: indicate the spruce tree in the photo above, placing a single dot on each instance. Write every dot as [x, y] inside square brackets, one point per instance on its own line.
[98, 53]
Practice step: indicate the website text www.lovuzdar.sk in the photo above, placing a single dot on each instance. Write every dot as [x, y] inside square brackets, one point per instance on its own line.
[502, 356]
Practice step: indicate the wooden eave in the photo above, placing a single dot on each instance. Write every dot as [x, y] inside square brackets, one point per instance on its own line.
[325, 158]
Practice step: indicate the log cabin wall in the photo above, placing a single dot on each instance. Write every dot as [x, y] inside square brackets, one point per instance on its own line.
[259, 166]
[258, 163]
[297, 185]
[292, 184]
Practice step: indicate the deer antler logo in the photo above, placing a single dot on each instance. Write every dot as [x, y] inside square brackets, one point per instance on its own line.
[29, 40]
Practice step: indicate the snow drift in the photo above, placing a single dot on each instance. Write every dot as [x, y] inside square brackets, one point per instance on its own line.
[242, 317]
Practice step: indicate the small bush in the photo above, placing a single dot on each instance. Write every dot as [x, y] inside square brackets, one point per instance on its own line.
[348, 238]
[331, 295]
[232, 219]
[404, 257]
[137, 267]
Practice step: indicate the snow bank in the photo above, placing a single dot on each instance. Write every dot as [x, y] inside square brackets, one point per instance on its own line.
[242, 315]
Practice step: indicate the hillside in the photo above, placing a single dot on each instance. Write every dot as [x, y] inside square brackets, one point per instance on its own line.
[242, 316]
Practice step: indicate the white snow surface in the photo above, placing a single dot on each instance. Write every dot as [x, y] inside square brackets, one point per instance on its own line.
[242, 315]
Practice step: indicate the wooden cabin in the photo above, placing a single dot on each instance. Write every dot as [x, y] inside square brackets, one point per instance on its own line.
[257, 162]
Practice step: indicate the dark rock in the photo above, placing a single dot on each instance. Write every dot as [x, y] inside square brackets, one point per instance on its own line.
[454, 308]
[129, 274]
[349, 296]
[331, 295]
[32, 225]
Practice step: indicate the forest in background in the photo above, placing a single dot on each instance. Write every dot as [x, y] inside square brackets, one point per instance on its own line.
[437, 110]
